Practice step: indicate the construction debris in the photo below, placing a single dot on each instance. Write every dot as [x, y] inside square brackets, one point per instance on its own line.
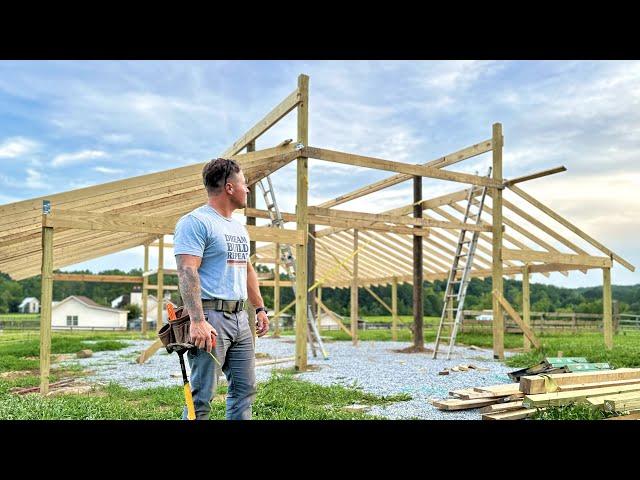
[609, 390]
[552, 365]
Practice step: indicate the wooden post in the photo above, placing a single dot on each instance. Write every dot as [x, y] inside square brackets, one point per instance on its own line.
[145, 291]
[317, 309]
[276, 291]
[394, 309]
[418, 303]
[606, 308]
[616, 316]
[46, 298]
[526, 305]
[354, 292]
[251, 203]
[302, 223]
[160, 282]
[498, 319]
[311, 270]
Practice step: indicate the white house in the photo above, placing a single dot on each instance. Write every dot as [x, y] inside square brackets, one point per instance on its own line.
[135, 298]
[83, 313]
[29, 305]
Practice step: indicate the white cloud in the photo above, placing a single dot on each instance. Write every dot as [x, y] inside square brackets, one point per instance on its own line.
[78, 157]
[34, 179]
[16, 147]
[108, 170]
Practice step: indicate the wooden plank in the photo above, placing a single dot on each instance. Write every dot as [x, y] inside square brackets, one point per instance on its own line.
[276, 287]
[531, 176]
[497, 247]
[82, 277]
[394, 309]
[46, 297]
[267, 122]
[502, 407]
[575, 396]
[526, 305]
[622, 402]
[418, 271]
[160, 285]
[570, 226]
[381, 164]
[334, 317]
[145, 291]
[516, 318]
[514, 415]
[441, 162]
[585, 386]
[607, 321]
[402, 220]
[553, 257]
[501, 389]
[458, 404]
[354, 292]
[302, 224]
[380, 301]
[280, 235]
[149, 352]
[534, 384]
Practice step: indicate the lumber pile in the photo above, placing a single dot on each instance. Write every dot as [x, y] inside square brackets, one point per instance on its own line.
[611, 390]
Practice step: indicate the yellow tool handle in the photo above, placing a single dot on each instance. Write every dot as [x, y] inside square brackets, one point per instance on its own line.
[191, 411]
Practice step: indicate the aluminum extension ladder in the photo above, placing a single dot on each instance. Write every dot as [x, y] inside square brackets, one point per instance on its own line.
[454, 300]
[286, 255]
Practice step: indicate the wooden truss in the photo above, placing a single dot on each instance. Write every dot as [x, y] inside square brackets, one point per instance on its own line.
[404, 244]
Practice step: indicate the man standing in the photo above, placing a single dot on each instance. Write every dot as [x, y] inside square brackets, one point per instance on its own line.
[215, 278]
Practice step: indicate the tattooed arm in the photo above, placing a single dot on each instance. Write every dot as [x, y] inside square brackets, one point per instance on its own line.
[189, 282]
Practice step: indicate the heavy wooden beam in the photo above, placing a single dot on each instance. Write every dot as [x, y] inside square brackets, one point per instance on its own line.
[402, 220]
[145, 291]
[441, 162]
[526, 330]
[302, 224]
[418, 274]
[271, 118]
[160, 282]
[531, 176]
[46, 298]
[571, 227]
[554, 257]
[354, 292]
[607, 323]
[82, 277]
[526, 304]
[380, 164]
[496, 275]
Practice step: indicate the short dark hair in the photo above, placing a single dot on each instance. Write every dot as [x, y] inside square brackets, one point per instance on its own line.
[216, 173]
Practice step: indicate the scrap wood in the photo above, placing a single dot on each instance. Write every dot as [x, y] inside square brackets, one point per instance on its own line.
[458, 404]
[501, 389]
[60, 383]
[502, 407]
[514, 415]
[576, 396]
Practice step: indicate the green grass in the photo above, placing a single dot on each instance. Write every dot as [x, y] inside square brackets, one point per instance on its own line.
[571, 412]
[19, 316]
[282, 397]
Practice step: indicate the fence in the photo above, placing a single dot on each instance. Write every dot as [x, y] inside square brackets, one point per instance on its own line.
[8, 322]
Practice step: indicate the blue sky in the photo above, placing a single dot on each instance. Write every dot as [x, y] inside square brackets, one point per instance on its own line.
[70, 124]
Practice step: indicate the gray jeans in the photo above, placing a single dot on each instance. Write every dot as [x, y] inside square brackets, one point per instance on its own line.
[235, 351]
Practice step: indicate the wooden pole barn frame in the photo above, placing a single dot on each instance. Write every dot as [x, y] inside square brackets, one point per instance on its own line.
[47, 233]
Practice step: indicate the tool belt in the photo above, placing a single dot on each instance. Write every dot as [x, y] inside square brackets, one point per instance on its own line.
[175, 335]
[229, 306]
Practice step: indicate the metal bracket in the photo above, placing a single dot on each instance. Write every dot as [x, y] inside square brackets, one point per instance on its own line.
[299, 146]
[46, 207]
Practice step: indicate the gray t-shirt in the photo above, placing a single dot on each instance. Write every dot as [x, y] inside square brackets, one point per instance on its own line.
[223, 245]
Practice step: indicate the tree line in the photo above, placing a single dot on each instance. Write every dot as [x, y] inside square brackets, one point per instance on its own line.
[544, 298]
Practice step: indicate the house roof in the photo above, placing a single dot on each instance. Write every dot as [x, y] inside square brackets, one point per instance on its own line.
[89, 303]
[28, 300]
